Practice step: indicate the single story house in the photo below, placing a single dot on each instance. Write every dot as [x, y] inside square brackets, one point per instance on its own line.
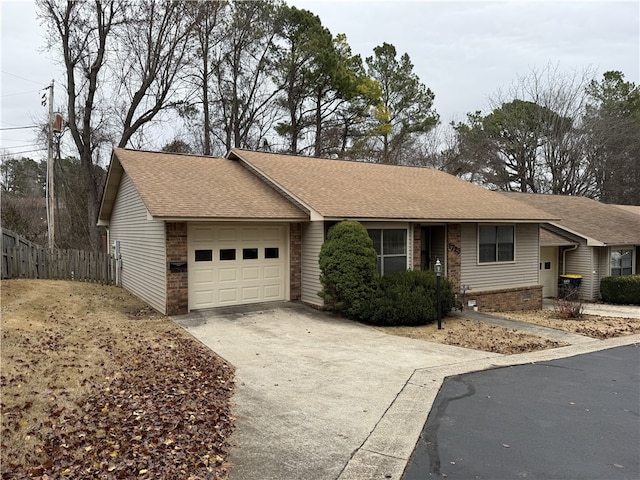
[591, 239]
[195, 232]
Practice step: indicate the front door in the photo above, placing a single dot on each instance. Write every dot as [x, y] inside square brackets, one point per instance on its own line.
[549, 271]
[432, 246]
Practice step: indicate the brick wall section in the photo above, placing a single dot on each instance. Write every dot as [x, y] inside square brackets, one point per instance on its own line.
[454, 245]
[295, 261]
[523, 298]
[417, 246]
[177, 282]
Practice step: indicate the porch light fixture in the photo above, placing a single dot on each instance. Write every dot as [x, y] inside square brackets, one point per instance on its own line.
[438, 270]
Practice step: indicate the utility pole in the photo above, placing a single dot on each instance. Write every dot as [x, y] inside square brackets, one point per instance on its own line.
[51, 224]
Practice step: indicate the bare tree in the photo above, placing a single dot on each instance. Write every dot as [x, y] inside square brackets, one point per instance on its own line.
[534, 139]
[563, 97]
[243, 94]
[82, 32]
[122, 60]
[152, 47]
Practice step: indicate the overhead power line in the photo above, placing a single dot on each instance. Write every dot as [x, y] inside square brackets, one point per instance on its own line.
[19, 93]
[26, 151]
[21, 78]
[19, 128]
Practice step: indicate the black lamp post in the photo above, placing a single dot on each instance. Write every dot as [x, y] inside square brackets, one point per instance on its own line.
[438, 269]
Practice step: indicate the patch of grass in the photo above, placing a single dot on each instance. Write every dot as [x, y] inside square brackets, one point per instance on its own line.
[94, 384]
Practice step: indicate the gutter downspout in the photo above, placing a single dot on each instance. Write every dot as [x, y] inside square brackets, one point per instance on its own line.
[564, 258]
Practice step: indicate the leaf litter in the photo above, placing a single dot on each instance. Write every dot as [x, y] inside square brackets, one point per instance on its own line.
[97, 386]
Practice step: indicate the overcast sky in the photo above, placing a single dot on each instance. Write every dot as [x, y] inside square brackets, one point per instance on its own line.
[463, 51]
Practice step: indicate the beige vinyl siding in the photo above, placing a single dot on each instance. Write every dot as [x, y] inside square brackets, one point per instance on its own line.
[602, 256]
[583, 261]
[312, 240]
[142, 247]
[492, 276]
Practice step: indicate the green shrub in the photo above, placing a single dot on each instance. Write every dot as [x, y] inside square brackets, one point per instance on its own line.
[349, 274]
[624, 289]
[409, 298]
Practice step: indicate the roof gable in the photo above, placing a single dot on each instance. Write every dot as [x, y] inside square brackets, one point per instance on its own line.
[195, 187]
[598, 223]
[358, 190]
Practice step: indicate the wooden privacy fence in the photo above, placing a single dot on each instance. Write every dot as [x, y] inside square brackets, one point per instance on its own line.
[24, 259]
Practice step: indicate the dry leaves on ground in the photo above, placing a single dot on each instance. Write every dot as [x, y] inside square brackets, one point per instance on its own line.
[96, 386]
[590, 325]
[477, 335]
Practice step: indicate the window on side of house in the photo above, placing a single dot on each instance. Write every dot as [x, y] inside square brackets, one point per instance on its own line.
[391, 247]
[621, 262]
[496, 243]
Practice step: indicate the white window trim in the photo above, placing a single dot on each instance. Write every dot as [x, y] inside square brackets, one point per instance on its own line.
[507, 262]
[633, 258]
[395, 226]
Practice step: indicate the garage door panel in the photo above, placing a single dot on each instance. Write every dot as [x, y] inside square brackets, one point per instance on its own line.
[250, 273]
[201, 235]
[251, 293]
[272, 292]
[250, 234]
[256, 273]
[203, 277]
[227, 234]
[271, 234]
[203, 298]
[227, 274]
[228, 296]
[272, 272]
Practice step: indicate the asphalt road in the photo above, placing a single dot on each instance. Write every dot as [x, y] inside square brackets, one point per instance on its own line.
[573, 418]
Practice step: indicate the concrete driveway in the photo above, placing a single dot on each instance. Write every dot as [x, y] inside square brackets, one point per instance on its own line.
[319, 397]
[311, 387]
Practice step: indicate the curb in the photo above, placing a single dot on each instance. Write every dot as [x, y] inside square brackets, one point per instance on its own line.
[388, 448]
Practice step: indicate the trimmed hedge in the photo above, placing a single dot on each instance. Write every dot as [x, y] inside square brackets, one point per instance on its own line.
[410, 298]
[352, 285]
[349, 274]
[624, 289]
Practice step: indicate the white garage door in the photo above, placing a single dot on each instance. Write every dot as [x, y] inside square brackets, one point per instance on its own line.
[236, 264]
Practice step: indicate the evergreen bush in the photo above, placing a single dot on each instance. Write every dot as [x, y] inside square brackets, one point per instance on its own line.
[624, 289]
[410, 298]
[348, 266]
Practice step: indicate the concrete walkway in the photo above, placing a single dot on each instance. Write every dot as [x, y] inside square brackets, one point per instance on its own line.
[319, 397]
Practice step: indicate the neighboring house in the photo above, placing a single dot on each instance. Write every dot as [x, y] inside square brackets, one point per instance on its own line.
[591, 239]
[199, 232]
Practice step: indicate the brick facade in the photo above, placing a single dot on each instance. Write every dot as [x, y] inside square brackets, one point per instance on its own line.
[417, 247]
[454, 248]
[511, 299]
[177, 280]
[295, 261]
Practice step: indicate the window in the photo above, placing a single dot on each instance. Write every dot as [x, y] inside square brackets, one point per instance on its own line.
[249, 253]
[228, 254]
[495, 243]
[391, 247]
[272, 252]
[204, 255]
[621, 262]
